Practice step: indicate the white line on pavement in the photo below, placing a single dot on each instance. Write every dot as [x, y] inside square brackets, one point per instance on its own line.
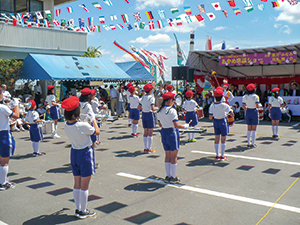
[239, 121]
[251, 158]
[295, 125]
[2, 223]
[215, 193]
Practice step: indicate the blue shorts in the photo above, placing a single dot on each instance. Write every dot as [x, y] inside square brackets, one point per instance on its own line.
[128, 107]
[54, 112]
[170, 139]
[95, 138]
[7, 144]
[191, 116]
[36, 134]
[221, 126]
[252, 117]
[275, 113]
[134, 114]
[83, 162]
[148, 120]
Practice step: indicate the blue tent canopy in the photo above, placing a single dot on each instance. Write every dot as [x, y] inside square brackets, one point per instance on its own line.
[136, 71]
[51, 67]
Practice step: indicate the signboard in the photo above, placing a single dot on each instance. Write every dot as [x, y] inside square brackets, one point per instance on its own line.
[96, 83]
[258, 58]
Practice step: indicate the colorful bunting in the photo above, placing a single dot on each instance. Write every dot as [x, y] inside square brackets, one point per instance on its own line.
[96, 5]
[57, 12]
[29, 15]
[125, 18]
[201, 8]
[248, 8]
[120, 26]
[47, 12]
[161, 13]
[107, 28]
[293, 2]
[84, 7]
[216, 5]
[101, 19]
[88, 29]
[46, 22]
[127, 1]
[71, 23]
[149, 15]
[81, 22]
[90, 21]
[160, 24]
[129, 27]
[142, 25]
[187, 10]
[225, 13]
[151, 25]
[70, 9]
[211, 16]
[174, 10]
[108, 2]
[21, 18]
[113, 17]
[137, 16]
[261, 6]
[39, 15]
[264, 0]
[188, 19]
[237, 11]
[275, 4]
[15, 22]
[99, 29]
[112, 27]
[170, 22]
[178, 21]
[248, 2]
[63, 22]
[136, 26]
[199, 17]
[231, 3]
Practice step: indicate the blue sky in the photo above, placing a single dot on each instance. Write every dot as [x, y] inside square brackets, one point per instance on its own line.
[270, 27]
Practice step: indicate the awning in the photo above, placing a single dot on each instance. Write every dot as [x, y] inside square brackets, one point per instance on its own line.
[206, 61]
[51, 67]
[136, 71]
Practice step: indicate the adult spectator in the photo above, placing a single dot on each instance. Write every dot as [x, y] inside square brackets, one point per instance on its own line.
[103, 94]
[207, 101]
[267, 93]
[137, 89]
[113, 95]
[257, 91]
[243, 91]
[233, 90]
[6, 94]
[158, 95]
[26, 90]
[121, 101]
[282, 91]
[38, 92]
[294, 91]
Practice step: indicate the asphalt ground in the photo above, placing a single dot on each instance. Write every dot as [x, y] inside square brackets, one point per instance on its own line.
[128, 189]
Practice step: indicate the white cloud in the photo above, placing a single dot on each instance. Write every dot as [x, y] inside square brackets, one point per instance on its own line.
[277, 25]
[105, 52]
[220, 28]
[286, 29]
[124, 58]
[159, 38]
[290, 13]
[142, 4]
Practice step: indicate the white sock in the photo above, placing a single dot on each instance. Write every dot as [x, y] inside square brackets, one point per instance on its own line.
[37, 147]
[134, 128]
[253, 136]
[83, 199]
[189, 134]
[146, 142]
[273, 130]
[217, 149]
[55, 129]
[173, 168]
[129, 121]
[276, 130]
[33, 146]
[248, 136]
[193, 135]
[223, 146]
[3, 174]
[76, 195]
[167, 168]
[150, 140]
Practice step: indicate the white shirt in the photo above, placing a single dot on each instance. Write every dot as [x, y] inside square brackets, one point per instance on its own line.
[85, 110]
[95, 106]
[219, 110]
[167, 116]
[127, 95]
[147, 101]
[113, 93]
[50, 99]
[134, 101]
[250, 100]
[275, 102]
[38, 89]
[5, 113]
[189, 105]
[32, 116]
[6, 94]
[79, 134]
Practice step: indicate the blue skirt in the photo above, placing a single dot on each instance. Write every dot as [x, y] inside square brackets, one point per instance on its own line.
[191, 116]
[36, 134]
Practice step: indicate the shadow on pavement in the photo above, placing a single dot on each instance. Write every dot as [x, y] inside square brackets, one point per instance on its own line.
[144, 187]
[66, 169]
[120, 138]
[131, 154]
[267, 139]
[201, 162]
[238, 148]
[27, 156]
[55, 218]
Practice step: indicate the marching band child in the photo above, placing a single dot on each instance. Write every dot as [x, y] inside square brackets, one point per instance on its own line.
[219, 111]
[190, 106]
[82, 154]
[35, 131]
[128, 104]
[168, 121]
[51, 100]
[275, 103]
[96, 109]
[134, 112]
[148, 117]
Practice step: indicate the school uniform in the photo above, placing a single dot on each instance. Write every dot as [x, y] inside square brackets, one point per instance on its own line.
[251, 113]
[190, 106]
[275, 107]
[220, 111]
[54, 108]
[148, 117]
[134, 112]
[35, 131]
[7, 142]
[86, 110]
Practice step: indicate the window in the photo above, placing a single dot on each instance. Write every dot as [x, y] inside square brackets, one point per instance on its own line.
[7, 6]
[21, 6]
[36, 6]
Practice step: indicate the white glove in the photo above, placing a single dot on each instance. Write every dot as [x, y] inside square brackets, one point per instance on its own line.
[15, 102]
[186, 126]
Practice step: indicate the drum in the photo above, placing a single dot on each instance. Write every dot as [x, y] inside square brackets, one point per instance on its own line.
[200, 113]
[261, 113]
[230, 120]
[48, 127]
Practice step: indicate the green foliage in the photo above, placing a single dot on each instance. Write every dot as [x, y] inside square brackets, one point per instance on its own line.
[92, 52]
[9, 72]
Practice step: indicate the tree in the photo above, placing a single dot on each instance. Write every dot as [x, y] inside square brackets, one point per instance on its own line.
[9, 72]
[93, 52]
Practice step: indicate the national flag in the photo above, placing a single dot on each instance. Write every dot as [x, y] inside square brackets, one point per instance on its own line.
[57, 12]
[275, 4]
[71, 23]
[5, 16]
[125, 18]
[63, 22]
[38, 24]
[201, 8]
[129, 27]
[137, 16]
[142, 25]
[151, 25]
[223, 45]
[28, 25]
[149, 15]
[107, 28]
[225, 13]
[120, 26]
[93, 28]
[99, 29]
[108, 2]
[30, 18]
[293, 2]
[187, 10]
[261, 6]
[70, 9]
[231, 3]
[248, 2]
[21, 18]
[88, 29]
[199, 17]
[248, 8]
[77, 29]
[179, 53]
[11, 14]
[208, 44]
[112, 27]
[264, 0]
[161, 13]
[101, 19]
[188, 19]
[216, 5]
[81, 22]
[178, 21]
[237, 11]
[136, 26]
[15, 22]
[90, 21]
[160, 24]
[84, 7]
[174, 10]
[127, 1]
[211, 16]
[39, 15]
[113, 17]
[170, 22]
[96, 5]
[46, 22]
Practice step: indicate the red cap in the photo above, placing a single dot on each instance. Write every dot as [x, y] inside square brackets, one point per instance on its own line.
[219, 87]
[250, 87]
[189, 94]
[128, 85]
[225, 84]
[276, 89]
[50, 87]
[85, 91]
[32, 102]
[131, 89]
[218, 92]
[70, 103]
[93, 91]
[169, 87]
[168, 95]
[148, 87]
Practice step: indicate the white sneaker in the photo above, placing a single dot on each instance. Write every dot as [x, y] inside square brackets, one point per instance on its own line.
[56, 136]
[22, 129]
[17, 130]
